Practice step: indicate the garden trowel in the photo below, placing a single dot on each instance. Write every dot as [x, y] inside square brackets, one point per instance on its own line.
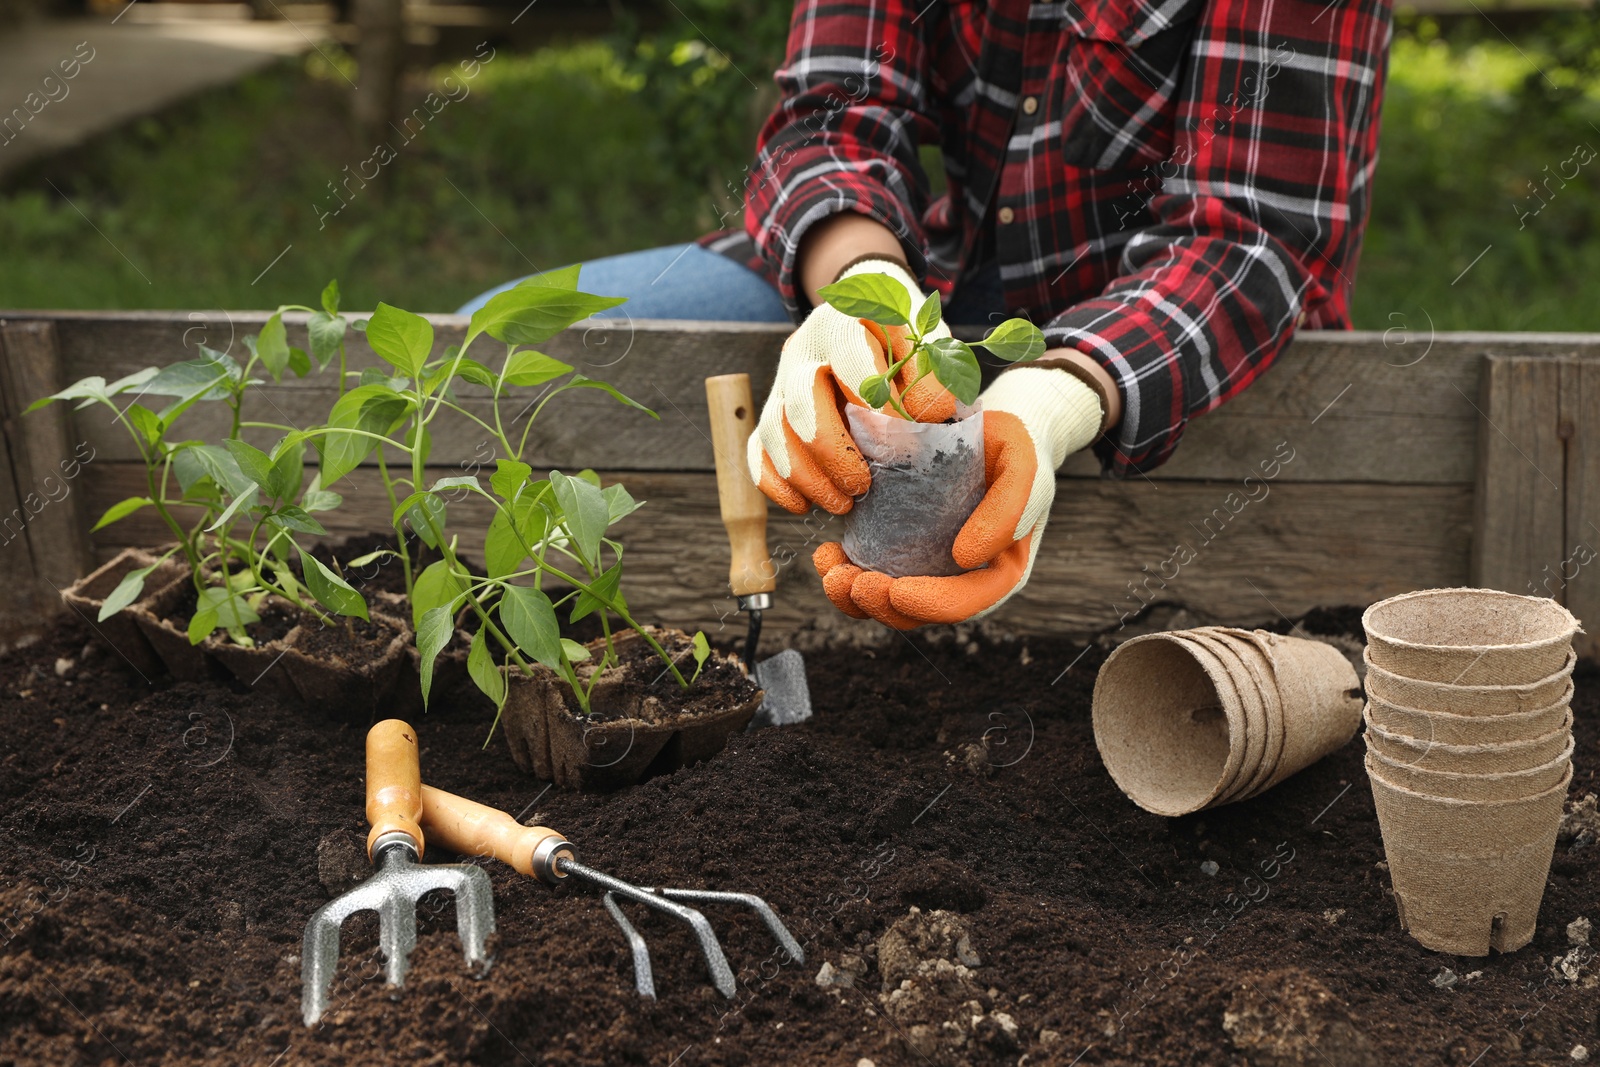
[751, 574]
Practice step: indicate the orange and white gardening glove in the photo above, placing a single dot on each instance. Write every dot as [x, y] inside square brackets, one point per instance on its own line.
[802, 452]
[1033, 418]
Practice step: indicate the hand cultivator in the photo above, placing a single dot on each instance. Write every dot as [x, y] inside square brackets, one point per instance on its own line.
[394, 801]
[478, 830]
[402, 810]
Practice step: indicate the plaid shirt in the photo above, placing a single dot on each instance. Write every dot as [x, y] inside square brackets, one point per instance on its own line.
[1170, 186]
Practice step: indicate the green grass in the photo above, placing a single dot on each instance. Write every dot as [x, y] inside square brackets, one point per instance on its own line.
[572, 153]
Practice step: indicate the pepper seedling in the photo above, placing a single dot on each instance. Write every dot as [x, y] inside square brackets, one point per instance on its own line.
[879, 299]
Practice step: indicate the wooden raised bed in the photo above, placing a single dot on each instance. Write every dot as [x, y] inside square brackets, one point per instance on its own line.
[1477, 462]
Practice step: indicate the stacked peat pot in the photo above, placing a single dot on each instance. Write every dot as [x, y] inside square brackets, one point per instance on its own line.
[1469, 750]
[1190, 719]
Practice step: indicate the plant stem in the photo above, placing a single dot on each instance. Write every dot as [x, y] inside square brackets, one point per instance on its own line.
[399, 531]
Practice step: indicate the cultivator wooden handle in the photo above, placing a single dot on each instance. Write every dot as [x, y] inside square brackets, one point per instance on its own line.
[394, 783]
[744, 508]
[474, 829]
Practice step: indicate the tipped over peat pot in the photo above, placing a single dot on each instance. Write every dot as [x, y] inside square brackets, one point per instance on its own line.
[641, 723]
[926, 480]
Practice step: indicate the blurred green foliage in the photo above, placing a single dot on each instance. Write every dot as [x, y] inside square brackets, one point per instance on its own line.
[589, 148]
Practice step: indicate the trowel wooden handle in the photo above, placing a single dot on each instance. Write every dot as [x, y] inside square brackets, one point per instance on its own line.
[394, 782]
[744, 508]
[474, 829]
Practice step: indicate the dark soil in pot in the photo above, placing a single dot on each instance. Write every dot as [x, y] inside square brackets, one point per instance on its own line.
[641, 722]
[259, 666]
[348, 669]
[162, 851]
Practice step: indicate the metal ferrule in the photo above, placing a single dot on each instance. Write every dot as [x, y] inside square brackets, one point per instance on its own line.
[394, 839]
[755, 602]
[545, 859]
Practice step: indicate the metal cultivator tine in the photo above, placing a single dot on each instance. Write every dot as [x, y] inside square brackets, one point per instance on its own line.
[643, 977]
[716, 962]
[769, 918]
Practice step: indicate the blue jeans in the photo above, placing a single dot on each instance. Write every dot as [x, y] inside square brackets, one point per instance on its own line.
[688, 282]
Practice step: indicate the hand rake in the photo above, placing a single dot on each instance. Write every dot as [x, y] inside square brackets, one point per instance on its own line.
[394, 804]
[478, 830]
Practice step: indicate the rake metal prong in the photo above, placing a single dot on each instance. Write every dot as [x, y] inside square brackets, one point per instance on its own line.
[393, 893]
[716, 962]
[780, 932]
[643, 978]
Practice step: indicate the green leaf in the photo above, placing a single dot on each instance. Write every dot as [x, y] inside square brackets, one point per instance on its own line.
[575, 652]
[418, 514]
[702, 652]
[580, 381]
[127, 590]
[243, 502]
[330, 297]
[326, 330]
[299, 362]
[400, 338]
[619, 503]
[560, 278]
[121, 510]
[605, 586]
[877, 297]
[374, 408]
[272, 345]
[470, 370]
[502, 549]
[954, 364]
[585, 514]
[1015, 341]
[530, 621]
[874, 390]
[201, 623]
[331, 591]
[146, 422]
[435, 627]
[373, 557]
[532, 313]
[930, 314]
[288, 468]
[485, 675]
[297, 520]
[207, 378]
[509, 476]
[527, 367]
[256, 464]
[316, 498]
[219, 606]
[436, 587]
[456, 481]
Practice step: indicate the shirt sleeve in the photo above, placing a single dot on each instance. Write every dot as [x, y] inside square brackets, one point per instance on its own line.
[845, 134]
[1257, 219]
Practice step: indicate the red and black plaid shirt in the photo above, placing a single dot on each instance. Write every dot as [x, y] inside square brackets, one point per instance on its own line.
[1166, 185]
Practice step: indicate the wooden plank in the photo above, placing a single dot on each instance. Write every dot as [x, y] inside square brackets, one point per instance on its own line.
[1294, 547]
[45, 465]
[1359, 406]
[1520, 503]
[1578, 572]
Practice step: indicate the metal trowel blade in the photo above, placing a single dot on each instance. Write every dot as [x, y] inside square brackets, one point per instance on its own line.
[787, 699]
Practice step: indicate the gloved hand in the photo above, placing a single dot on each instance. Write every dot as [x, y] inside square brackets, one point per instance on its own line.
[802, 452]
[1033, 417]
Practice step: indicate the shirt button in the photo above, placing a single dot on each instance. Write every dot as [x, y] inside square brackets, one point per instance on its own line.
[1030, 104]
[1007, 216]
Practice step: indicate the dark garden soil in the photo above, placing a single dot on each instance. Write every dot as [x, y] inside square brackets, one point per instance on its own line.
[161, 847]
